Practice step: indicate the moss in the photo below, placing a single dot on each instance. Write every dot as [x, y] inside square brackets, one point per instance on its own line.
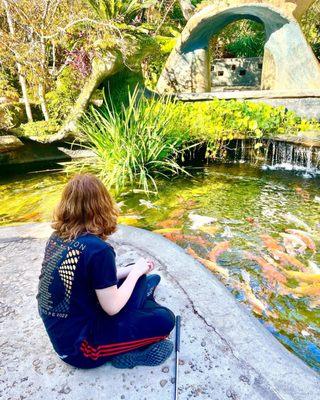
[39, 131]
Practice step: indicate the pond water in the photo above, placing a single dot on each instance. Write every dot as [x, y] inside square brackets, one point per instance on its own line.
[258, 231]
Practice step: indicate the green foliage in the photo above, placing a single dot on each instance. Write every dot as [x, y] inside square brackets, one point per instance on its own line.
[11, 115]
[39, 130]
[310, 24]
[121, 10]
[61, 99]
[7, 88]
[240, 39]
[133, 145]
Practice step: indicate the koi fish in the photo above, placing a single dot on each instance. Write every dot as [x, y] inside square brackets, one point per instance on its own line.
[270, 272]
[146, 203]
[287, 259]
[176, 236]
[218, 249]
[313, 267]
[303, 193]
[303, 276]
[307, 290]
[227, 233]
[209, 229]
[304, 236]
[291, 242]
[187, 203]
[168, 223]
[200, 220]
[256, 304]
[177, 214]
[166, 231]
[212, 266]
[296, 221]
[271, 243]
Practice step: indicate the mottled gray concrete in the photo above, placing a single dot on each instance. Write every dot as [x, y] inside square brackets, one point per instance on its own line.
[225, 353]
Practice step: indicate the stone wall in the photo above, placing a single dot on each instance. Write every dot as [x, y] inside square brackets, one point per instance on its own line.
[236, 72]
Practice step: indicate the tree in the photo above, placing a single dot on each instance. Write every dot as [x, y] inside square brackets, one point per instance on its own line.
[11, 39]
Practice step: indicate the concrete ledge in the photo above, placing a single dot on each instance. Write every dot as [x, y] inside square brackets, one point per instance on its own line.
[225, 352]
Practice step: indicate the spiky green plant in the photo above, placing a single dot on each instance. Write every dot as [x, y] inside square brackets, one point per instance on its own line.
[118, 10]
[135, 144]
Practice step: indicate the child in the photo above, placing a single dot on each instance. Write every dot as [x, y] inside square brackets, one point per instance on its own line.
[93, 312]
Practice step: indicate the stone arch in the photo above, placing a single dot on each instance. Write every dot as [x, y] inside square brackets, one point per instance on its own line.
[289, 63]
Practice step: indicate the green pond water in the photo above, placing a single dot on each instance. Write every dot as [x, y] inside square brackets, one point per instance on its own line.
[244, 203]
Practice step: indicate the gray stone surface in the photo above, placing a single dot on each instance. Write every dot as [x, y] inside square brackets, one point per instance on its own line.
[288, 62]
[306, 104]
[9, 143]
[225, 353]
[236, 72]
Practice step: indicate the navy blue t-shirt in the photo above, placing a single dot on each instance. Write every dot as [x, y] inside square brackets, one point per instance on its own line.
[67, 302]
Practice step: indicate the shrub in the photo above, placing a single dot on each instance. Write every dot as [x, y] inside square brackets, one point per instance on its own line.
[39, 130]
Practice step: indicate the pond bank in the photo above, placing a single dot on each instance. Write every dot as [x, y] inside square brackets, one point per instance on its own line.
[225, 352]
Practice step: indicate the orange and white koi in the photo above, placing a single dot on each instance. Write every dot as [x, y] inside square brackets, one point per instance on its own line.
[287, 259]
[305, 237]
[291, 242]
[212, 266]
[296, 221]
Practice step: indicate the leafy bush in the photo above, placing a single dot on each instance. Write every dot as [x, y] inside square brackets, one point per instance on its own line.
[39, 130]
[11, 115]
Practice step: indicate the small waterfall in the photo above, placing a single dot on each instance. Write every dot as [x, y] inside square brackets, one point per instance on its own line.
[293, 157]
[276, 154]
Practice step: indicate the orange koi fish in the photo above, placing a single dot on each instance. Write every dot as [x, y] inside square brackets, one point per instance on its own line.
[176, 236]
[271, 243]
[304, 236]
[287, 259]
[303, 193]
[212, 266]
[177, 214]
[269, 270]
[168, 223]
[218, 249]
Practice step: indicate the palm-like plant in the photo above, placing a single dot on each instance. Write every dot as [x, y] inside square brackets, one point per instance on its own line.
[119, 10]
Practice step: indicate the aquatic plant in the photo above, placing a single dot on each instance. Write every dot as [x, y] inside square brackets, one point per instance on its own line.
[135, 144]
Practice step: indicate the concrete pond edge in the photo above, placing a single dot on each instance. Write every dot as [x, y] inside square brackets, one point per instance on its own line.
[283, 375]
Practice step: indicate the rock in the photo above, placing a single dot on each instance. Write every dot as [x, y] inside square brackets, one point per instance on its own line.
[9, 143]
[165, 369]
[163, 382]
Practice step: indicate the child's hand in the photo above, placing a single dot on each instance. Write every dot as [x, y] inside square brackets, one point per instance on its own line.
[141, 266]
[150, 264]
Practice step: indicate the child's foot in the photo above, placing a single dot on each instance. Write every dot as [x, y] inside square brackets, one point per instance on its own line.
[153, 281]
[153, 355]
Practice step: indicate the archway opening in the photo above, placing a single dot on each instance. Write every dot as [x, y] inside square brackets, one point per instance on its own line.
[236, 56]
